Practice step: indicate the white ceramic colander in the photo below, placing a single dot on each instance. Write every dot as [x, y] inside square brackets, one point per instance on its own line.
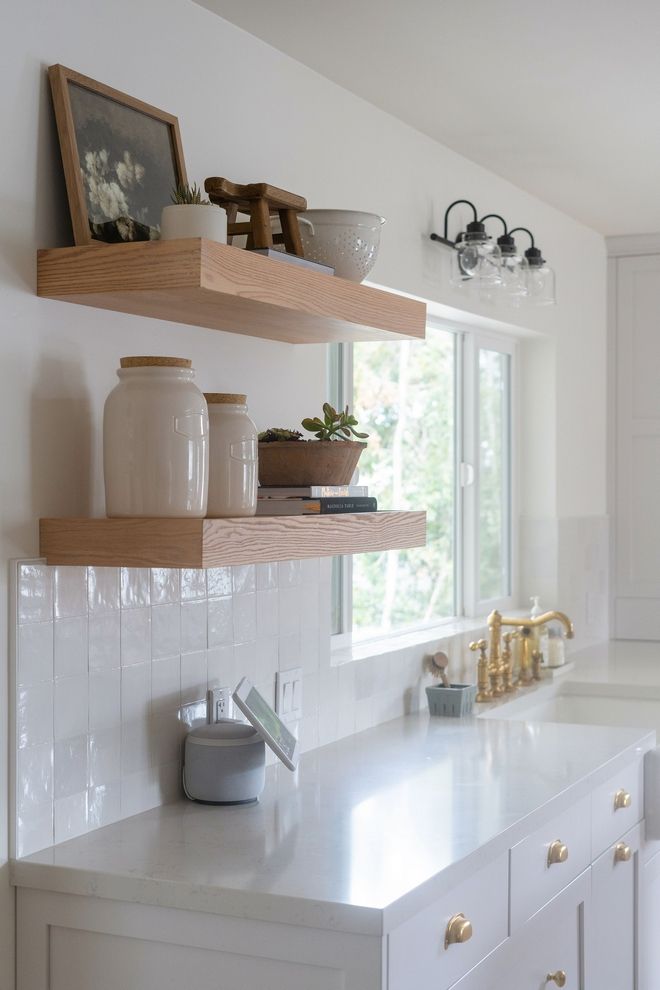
[347, 240]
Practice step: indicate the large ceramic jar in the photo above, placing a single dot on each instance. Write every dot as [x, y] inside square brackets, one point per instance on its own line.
[156, 440]
[233, 456]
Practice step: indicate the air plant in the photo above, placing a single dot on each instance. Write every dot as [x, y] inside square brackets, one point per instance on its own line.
[334, 425]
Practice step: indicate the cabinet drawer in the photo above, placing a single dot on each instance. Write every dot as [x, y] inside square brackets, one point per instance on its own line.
[610, 816]
[417, 953]
[549, 859]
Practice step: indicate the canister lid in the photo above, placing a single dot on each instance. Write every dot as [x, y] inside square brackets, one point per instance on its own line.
[150, 361]
[227, 732]
[235, 398]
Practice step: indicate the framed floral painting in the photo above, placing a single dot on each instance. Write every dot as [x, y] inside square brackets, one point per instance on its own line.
[121, 158]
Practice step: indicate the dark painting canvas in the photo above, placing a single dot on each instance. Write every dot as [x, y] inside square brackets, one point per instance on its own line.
[127, 164]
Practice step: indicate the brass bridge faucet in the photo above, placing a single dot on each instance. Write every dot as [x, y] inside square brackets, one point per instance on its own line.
[495, 671]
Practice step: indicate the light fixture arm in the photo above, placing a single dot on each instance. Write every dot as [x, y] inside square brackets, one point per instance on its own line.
[497, 217]
[445, 239]
[531, 235]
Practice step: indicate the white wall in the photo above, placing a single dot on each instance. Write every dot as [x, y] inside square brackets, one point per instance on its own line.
[250, 113]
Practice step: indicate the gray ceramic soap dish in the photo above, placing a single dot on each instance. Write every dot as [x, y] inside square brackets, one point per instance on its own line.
[454, 700]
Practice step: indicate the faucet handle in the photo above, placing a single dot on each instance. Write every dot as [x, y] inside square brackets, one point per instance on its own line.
[481, 645]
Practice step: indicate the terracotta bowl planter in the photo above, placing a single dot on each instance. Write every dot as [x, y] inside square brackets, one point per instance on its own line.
[296, 463]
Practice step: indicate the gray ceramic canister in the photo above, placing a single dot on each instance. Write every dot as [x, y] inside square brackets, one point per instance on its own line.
[224, 763]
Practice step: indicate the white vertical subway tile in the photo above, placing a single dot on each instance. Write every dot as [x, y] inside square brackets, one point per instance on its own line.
[70, 817]
[245, 618]
[103, 805]
[103, 588]
[267, 613]
[289, 610]
[34, 714]
[289, 651]
[71, 706]
[135, 636]
[34, 592]
[267, 658]
[34, 779]
[309, 650]
[135, 583]
[310, 571]
[34, 830]
[193, 626]
[288, 574]
[35, 653]
[165, 685]
[135, 752]
[104, 757]
[309, 606]
[245, 659]
[70, 584]
[70, 766]
[165, 585]
[135, 692]
[104, 699]
[266, 576]
[71, 646]
[243, 579]
[167, 734]
[220, 621]
[219, 581]
[165, 630]
[193, 584]
[220, 667]
[325, 570]
[193, 677]
[104, 636]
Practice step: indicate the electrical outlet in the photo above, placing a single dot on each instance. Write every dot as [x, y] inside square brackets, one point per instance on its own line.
[288, 694]
[218, 704]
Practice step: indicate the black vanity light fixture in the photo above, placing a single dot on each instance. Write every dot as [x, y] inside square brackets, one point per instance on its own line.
[497, 269]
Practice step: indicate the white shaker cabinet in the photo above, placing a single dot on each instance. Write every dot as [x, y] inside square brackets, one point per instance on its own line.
[611, 935]
[649, 925]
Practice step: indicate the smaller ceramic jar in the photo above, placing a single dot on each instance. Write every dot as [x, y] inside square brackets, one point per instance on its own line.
[155, 440]
[232, 456]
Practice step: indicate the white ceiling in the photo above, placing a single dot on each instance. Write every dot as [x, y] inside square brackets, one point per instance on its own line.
[562, 98]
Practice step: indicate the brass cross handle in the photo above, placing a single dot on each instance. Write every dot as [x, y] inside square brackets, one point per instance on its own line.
[622, 799]
[622, 853]
[557, 853]
[458, 930]
[559, 978]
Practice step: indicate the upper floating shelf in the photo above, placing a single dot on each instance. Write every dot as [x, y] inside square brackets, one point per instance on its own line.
[217, 542]
[212, 285]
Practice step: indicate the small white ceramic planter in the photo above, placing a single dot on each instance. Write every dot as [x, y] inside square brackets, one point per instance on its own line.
[194, 220]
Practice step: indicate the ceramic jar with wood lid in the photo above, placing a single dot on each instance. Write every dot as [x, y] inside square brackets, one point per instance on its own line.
[232, 457]
[156, 440]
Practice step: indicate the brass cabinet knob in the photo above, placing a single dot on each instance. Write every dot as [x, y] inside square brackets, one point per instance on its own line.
[622, 799]
[557, 853]
[622, 852]
[559, 978]
[459, 929]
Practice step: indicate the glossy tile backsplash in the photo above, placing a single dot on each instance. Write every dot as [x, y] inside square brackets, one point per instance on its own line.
[113, 665]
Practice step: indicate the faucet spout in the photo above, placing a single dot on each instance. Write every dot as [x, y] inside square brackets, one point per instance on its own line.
[541, 620]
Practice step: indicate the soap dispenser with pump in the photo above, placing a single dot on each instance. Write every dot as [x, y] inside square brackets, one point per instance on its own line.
[541, 640]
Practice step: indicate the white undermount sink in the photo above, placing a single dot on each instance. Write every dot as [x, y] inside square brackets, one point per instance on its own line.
[571, 703]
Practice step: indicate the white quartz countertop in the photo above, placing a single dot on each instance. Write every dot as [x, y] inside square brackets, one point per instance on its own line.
[369, 830]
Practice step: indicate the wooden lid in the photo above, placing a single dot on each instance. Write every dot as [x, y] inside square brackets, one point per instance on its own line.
[148, 361]
[214, 398]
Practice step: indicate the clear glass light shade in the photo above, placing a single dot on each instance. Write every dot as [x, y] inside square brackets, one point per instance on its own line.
[476, 261]
[540, 283]
[514, 277]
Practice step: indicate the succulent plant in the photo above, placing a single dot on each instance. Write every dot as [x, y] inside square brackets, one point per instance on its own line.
[334, 425]
[276, 433]
[187, 195]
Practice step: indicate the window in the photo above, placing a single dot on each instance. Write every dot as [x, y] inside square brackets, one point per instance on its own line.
[438, 414]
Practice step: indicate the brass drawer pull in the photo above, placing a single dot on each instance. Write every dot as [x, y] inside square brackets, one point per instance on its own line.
[559, 978]
[557, 853]
[458, 930]
[622, 852]
[622, 799]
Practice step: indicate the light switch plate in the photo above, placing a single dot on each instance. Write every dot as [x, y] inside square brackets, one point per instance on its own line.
[288, 694]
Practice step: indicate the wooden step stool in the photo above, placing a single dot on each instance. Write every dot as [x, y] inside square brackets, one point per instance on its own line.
[260, 201]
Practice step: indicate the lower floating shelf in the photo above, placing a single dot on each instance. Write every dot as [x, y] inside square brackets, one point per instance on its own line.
[216, 542]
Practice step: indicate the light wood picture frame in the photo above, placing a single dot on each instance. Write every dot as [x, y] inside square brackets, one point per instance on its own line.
[121, 159]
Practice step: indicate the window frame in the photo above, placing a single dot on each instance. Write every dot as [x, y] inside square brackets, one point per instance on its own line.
[469, 341]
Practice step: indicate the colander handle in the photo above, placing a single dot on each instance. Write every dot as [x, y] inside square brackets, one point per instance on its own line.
[309, 224]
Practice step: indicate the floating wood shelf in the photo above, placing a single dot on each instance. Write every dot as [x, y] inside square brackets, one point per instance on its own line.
[212, 285]
[216, 542]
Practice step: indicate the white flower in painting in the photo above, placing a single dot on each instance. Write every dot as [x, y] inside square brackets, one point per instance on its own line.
[129, 173]
[106, 197]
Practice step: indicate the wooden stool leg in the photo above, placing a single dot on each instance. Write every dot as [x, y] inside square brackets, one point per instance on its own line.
[262, 232]
[232, 212]
[291, 232]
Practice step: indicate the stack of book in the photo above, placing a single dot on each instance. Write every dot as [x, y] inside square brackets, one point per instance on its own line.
[314, 500]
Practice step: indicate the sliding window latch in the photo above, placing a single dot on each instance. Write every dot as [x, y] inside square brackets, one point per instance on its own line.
[465, 474]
